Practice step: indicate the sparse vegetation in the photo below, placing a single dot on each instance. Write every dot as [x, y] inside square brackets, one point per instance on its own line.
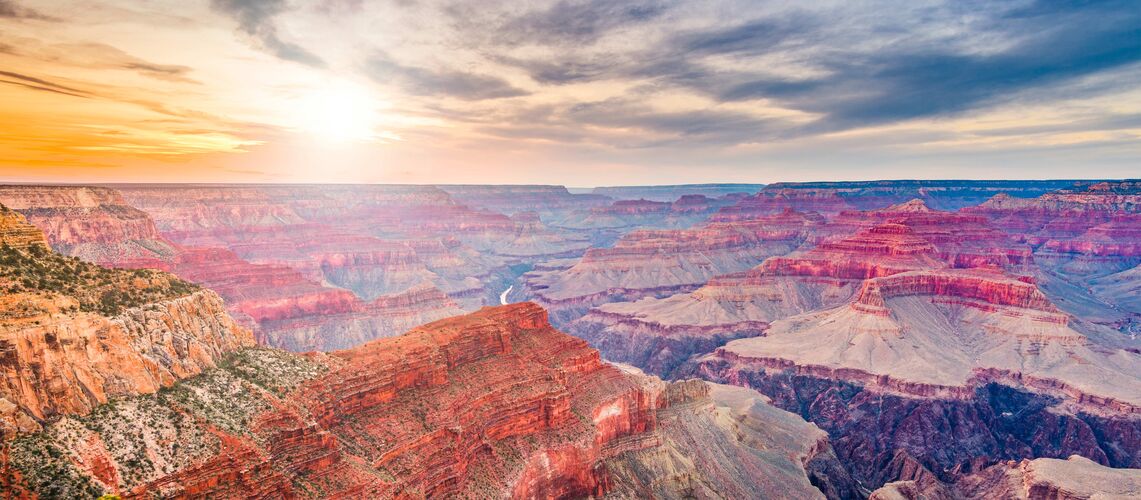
[96, 288]
[153, 435]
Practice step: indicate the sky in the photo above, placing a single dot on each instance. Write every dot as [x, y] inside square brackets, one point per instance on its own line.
[580, 93]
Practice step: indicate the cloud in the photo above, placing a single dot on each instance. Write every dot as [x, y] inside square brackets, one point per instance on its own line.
[41, 84]
[172, 72]
[902, 81]
[12, 10]
[442, 82]
[255, 18]
[579, 22]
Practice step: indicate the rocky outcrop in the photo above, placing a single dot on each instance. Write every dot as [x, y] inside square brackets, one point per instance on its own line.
[978, 288]
[492, 404]
[659, 334]
[62, 362]
[17, 233]
[92, 223]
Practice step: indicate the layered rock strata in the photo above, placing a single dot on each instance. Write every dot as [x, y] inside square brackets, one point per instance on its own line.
[493, 404]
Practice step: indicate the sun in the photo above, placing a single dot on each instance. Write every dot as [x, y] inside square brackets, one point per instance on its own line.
[340, 112]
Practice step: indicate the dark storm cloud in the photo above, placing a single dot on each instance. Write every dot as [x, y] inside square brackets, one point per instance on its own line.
[255, 18]
[443, 82]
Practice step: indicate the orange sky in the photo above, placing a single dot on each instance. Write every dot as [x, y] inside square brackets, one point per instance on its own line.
[577, 93]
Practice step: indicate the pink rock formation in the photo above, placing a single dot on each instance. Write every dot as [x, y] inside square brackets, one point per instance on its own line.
[91, 223]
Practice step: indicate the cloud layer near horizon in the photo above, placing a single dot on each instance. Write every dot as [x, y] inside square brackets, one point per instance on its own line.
[575, 92]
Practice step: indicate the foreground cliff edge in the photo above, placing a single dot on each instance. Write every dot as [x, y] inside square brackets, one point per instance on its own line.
[74, 335]
[496, 403]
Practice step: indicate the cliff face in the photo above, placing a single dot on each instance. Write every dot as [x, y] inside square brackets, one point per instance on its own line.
[889, 435]
[74, 335]
[60, 363]
[92, 223]
[337, 256]
[16, 232]
[492, 404]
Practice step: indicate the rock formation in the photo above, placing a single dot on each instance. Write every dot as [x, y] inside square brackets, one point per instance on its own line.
[74, 335]
[492, 404]
[92, 223]
[648, 263]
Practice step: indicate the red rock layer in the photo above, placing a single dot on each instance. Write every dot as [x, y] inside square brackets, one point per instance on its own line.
[490, 404]
[986, 286]
[882, 250]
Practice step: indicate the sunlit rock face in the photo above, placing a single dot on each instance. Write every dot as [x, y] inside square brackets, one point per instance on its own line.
[65, 349]
[492, 404]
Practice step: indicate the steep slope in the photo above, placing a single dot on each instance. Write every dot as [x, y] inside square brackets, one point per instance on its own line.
[74, 335]
[493, 404]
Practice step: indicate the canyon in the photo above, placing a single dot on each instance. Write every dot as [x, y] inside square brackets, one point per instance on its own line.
[492, 404]
[894, 339]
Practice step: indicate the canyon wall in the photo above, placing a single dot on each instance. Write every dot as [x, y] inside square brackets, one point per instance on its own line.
[493, 404]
